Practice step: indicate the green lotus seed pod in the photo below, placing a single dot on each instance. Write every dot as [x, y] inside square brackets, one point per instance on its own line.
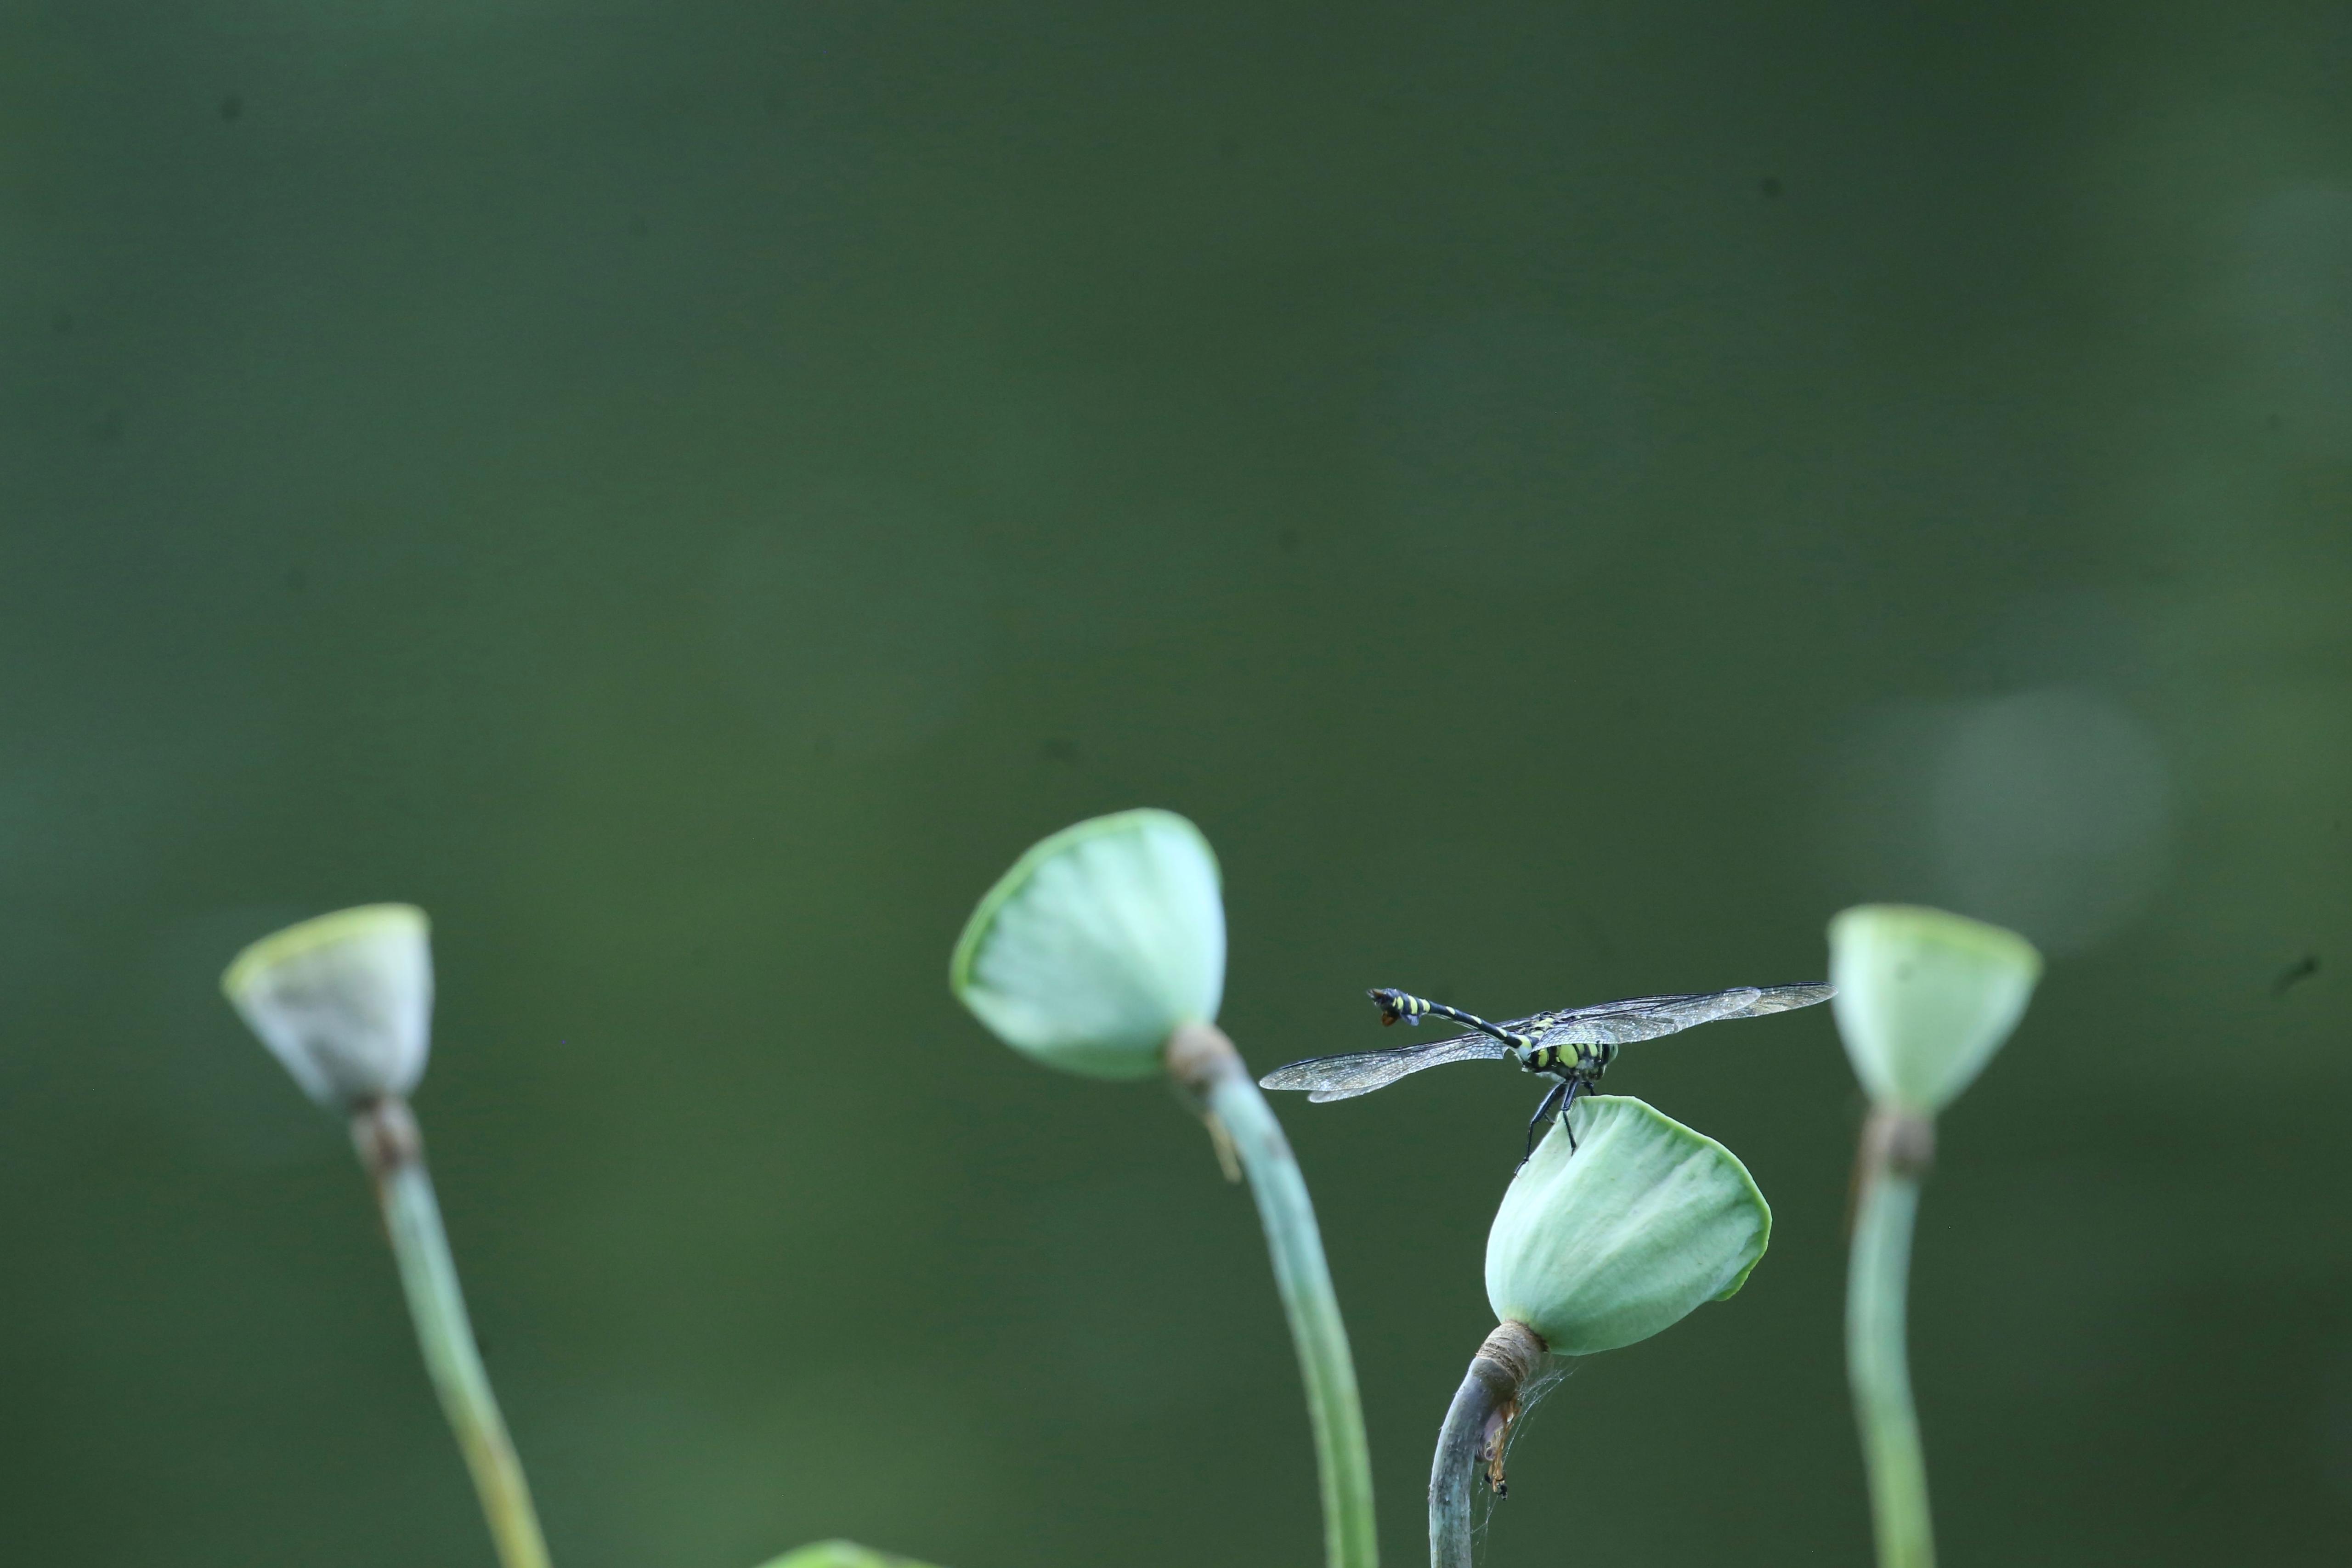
[840, 1554]
[1925, 998]
[345, 1001]
[1098, 942]
[1644, 1221]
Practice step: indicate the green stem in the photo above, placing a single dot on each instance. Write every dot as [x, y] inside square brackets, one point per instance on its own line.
[1202, 1059]
[1894, 1158]
[393, 1154]
[1478, 1425]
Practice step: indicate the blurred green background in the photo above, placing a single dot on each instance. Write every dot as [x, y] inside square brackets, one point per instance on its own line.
[1567, 497]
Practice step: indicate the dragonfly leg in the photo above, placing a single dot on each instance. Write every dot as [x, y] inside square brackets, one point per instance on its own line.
[1542, 1117]
[1573, 1087]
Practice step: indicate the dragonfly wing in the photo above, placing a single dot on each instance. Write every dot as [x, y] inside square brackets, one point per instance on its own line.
[1648, 1017]
[1344, 1078]
[1785, 998]
[1645, 1019]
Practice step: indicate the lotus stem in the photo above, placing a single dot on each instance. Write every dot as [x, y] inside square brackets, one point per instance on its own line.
[392, 1150]
[1204, 1061]
[1897, 1149]
[1478, 1425]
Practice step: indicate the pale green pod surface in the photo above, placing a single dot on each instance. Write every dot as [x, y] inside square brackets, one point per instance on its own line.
[1924, 999]
[840, 1554]
[345, 1001]
[1098, 942]
[1642, 1224]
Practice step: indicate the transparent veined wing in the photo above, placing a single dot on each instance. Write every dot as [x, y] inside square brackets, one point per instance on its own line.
[1647, 1017]
[1344, 1078]
[1785, 999]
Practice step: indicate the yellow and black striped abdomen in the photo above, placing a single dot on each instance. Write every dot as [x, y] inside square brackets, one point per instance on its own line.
[1403, 1006]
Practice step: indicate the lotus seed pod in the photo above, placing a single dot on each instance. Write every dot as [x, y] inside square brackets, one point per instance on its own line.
[1640, 1224]
[345, 1001]
[840, 1554]
[1098, 942]
[1925, 998]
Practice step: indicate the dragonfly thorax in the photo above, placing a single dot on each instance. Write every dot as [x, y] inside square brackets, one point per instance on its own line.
[1583, 1061]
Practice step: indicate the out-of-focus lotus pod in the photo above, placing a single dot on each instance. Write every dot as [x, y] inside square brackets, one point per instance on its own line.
[1625, 1237]
[345, 1001]
[1098, 942]
[840, 1554]
[1925, 998]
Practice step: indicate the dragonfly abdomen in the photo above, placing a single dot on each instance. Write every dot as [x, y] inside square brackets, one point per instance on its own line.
[1405, 1004]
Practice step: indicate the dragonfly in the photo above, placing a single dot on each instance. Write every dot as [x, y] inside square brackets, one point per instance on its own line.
[1573, 1046]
